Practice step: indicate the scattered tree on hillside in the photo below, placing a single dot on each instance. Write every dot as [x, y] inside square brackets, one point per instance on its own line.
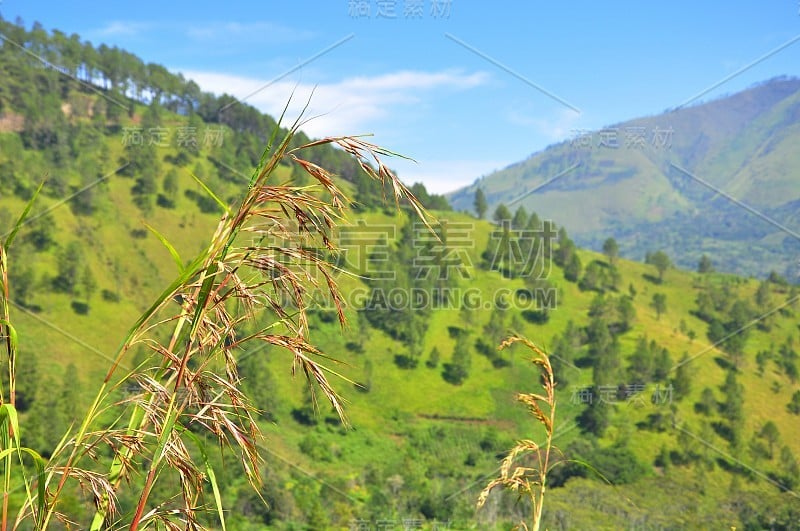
[170, 188]
[611, 250]
[573, 268]
[732, 407]
[457, 370]
[708, 404]
[433, 358]
[640, 364]
[501, 214]
[88, 284]
[787, 360]
[428, 200]
[790, 470]
[70, 265]
[737, 331]
[566, 248]
[763, 300]
[660, 261]
[42, 232]
[565, 350]
[592, 277]
[682, 382]
[794, 403]
[22, 277]
[659, 304]
[705, 265]
[770, 433]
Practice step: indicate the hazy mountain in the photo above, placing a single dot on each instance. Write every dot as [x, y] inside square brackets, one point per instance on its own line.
[693, 180]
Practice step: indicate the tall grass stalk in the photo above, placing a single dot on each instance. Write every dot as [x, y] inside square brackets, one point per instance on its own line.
[261, 264]
[11, 451]
[530, 481]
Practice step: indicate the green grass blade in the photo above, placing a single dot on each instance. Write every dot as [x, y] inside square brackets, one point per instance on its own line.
[586, 465]
[202, 298]
[9, 413]
[12, 333]
[271, 141]
[211, 475]
[212, 194]
[41, 483]
[172, 251]
[22, 217]
[40, 465]
[9, 419]
[5, 453]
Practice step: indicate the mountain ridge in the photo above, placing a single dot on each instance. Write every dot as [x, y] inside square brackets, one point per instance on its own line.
[679, 173]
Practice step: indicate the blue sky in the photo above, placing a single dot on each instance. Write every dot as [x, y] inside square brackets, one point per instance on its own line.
[429, 84]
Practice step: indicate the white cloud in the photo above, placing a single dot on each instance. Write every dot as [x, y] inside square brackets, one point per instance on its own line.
[120, 27]
[261, 31]
[442, 176]
[553, 128]
[352, 105]
[363, 104]
[218, 32]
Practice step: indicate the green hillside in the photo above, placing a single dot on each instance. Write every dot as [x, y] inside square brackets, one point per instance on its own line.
[684, 369]
[655, 182]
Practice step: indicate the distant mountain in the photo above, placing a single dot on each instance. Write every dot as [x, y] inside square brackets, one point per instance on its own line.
[721, 178]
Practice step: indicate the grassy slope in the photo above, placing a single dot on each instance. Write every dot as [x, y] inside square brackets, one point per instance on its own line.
[398, 394]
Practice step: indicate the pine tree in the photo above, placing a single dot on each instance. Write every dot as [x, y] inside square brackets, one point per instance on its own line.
[27, 385]
[640, 367]
[794, 404]
[88, 282]
[790, 469]
[433, 358]
[170, 187]
[502, 213]
[662, 363]
[733, 406]
[520, 219]
[481, 206]
[457, 370]
[22, 278]
[70, 265]
[763, 296]
[770, 433]
[611, 250]
[659, 304]
[705, 265]
[661, 262]
[572, 269]
[682, 383]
